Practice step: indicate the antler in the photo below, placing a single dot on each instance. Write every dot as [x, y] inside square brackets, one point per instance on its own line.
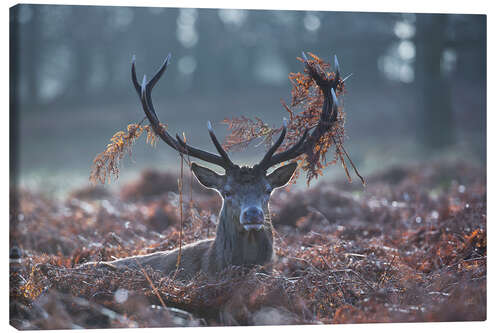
[144, 92]
[328, 117]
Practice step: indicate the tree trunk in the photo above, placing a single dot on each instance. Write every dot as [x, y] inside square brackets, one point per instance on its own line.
[435, 127]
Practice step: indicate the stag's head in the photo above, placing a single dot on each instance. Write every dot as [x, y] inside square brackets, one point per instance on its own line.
[245, 190]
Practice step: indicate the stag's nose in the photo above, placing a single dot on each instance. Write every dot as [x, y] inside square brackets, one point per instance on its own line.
[253, 215]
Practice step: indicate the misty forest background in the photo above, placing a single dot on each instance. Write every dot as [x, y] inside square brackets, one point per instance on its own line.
[418, 90]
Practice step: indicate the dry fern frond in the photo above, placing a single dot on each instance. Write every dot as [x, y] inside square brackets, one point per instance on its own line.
[245, 130]
[107, 162]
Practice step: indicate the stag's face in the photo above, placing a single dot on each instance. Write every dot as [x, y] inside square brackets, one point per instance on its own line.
[246, 192]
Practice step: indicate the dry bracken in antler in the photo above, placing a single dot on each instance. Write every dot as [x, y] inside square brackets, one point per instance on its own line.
[304, 114]
[107, 162]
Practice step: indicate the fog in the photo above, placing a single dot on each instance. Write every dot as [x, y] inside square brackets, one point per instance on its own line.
[417, 90]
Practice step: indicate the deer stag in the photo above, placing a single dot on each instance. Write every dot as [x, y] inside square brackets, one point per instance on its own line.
[244, 235]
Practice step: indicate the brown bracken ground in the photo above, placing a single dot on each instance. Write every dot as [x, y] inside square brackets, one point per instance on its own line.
[410, 247]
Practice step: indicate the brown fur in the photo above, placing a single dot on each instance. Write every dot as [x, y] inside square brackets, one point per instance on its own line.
[209, 256]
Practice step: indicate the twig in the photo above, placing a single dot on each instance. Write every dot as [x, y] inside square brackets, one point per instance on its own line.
[360, 278]
[363, 181]
[382, 277]
[308, 263]
[155, 290]
[144, 118]
[336, 281]
[181, 213]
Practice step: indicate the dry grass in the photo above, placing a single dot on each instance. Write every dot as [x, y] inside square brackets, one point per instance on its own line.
[411, 247]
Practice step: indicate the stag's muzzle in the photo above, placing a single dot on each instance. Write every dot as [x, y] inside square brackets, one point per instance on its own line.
[252, 218]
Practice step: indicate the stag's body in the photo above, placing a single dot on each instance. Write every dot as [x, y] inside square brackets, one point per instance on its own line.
[232, 246]
[229, 248]
[244, 234]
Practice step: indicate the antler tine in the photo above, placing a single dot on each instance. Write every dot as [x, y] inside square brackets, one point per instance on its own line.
[160, 71]
[336, 65]
[335, 106]
[344, 79]
[265, 161]
[304, 57]
[156, 77]
[337, 71]
[153, 118]
[144, 91]
[137, 86]
[217, 145]
[296, 150]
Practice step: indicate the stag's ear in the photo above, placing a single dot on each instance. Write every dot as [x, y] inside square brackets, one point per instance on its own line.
[281, 176]
[207, 177]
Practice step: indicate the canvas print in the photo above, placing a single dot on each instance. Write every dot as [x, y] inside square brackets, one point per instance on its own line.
[213, 167]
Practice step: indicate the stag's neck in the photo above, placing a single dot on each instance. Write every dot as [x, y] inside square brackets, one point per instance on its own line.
[233, 246]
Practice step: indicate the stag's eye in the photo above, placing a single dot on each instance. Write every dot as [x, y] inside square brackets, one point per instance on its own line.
[227, 193]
